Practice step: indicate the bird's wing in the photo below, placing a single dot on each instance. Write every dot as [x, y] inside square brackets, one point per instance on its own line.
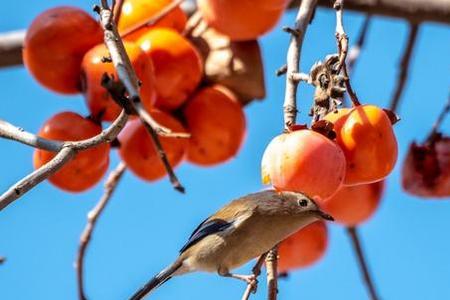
[207, 227]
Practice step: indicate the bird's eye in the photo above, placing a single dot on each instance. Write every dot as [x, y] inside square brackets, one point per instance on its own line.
[303, 202]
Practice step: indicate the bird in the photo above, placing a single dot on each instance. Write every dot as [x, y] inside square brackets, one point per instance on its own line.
[240, 231]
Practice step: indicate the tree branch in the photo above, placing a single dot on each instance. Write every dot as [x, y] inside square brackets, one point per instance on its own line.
[272, 273]
[304, 15]
[255, 271]
[404, 67]
[92, 218]
[65, 154]
[355, 50]
[353, 233]
[412, 10]
[130, 80]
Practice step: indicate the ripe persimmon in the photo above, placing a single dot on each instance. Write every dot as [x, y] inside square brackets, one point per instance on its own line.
[304, 247]
[88, 166]
[242, 19]
[353, 205]
[367, 138]
[135, 12]
[97, 97]
[216, 121]
[55, 44]
[304, 161]
[138, 151]
[178, 66]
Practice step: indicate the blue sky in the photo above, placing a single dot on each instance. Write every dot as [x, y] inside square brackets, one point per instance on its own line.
[141, 231]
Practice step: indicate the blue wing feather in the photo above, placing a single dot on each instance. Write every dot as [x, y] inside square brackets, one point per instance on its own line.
[207, 227]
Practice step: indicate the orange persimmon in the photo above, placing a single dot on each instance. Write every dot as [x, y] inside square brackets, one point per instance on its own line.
[88, 166]
[353, 205]
[216, 121]
[367, 138]
[135, 12]
[138, 151]
[55, 44]
[178, 66]
[242, 19]
[304, 247]
[97, 97]
[304, 161]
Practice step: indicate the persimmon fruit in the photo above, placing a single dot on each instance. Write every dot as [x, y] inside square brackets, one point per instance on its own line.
[138, 152]
[216, 121]
[242, 19]
[366, 136]
[178, 66]
[135, 12]
[303, 248]
[353, 205]
[88, 166]
[55, 44]
[98, 99]
[304, 161]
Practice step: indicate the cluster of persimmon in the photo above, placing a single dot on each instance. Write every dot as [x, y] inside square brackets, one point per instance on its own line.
[64, 51]
[344, 174]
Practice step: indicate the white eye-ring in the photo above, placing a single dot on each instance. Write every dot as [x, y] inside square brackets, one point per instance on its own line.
[303, 202]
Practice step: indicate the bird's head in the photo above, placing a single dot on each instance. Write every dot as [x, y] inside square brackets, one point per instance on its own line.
[299, 203]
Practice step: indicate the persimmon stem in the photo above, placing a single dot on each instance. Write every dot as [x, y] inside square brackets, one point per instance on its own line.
[356, 244]
[272, 273]
[439, 120]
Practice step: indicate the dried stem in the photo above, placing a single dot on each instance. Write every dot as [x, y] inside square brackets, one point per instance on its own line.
[117, 9]
[355, 50]
[128, 77]
[404, 67]
[92, 218]
[64, 155]
[353, 233]
[304, 15]
[154, 19]
[255, 271]
[440, 119]
[272, 273]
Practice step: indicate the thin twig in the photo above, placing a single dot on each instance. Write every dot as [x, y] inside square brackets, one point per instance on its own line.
[92, 218]
[304, 15]
[64, 155]
[153, 19]
[440, 119]
[342, 45]
[353, 233]
[2, 260]
[128, 77]
[272, 273]
[341, 36]
[355, 50]
[404, 67]
[255, 271]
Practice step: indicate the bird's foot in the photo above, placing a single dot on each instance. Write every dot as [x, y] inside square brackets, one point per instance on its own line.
[249, 279]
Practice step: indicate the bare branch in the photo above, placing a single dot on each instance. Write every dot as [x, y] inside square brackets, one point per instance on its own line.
[404, 67]
[255, 271]
[36, 177]
[117, 9]
[65, 154]
[304, 15]
[11, 48]
[355, 50]
[129, 79]
[341, 36]
[353, 233]
[2, 260]
[272, 273]
[11, 132]
[92, 218]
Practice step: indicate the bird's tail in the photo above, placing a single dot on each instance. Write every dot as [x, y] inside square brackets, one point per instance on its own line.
[156, 281]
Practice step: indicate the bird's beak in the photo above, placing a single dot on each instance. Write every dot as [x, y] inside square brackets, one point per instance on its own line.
[325, 216]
